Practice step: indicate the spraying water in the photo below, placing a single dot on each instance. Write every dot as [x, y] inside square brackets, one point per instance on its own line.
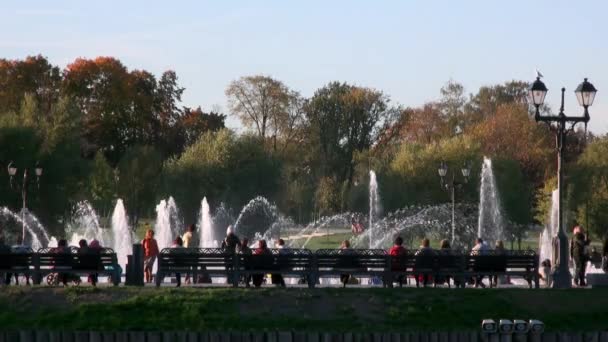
[551, 229]
[36, 237]
[167, 223]
[121, 233]
[491, 222]
[374, 207]
[207, 236]
[85, 225]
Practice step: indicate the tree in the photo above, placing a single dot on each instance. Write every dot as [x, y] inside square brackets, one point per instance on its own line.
[139, 173]
[34, 76]
[452, 104]
[195, 122]
[512, 134]
[489, 98]
[102, 183]
[266, 105]
[222, 167]
[589, 184]
[426, 124]
[342, 120]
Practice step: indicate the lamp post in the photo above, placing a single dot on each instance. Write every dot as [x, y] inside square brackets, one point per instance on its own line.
[12, 171]
[450, 185]
[585, 94]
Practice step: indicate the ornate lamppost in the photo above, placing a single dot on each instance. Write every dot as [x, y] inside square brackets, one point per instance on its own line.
[451, 185]
[12, 171]
[561, 124]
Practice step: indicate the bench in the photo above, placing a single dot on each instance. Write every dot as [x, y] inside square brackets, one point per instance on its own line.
[349, 262]
[48, 262]
[17, 261]
[196, 261]
[439, 265]
[286, 262]
[497, 263]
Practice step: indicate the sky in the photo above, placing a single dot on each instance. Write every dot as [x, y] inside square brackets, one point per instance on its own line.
[408, 49]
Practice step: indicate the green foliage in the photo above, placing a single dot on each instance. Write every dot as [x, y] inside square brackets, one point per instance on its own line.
[102, 183]
[589, 197]
[223, 167]
[413, 176]
[139, 173]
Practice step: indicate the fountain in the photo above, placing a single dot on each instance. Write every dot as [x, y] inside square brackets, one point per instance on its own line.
[121, 233]
[85, 225]
[547, 237]
[491, 222]
[167, 224]
[374, 207]
[36, 236]
[207, 235]
[262, 213]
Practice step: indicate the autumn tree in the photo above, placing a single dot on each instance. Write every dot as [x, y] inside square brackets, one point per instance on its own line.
[489, 98]
[512, 134]
[33, 75]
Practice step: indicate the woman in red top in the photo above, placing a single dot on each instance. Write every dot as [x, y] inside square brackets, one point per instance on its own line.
[150, 253]
[398, 264]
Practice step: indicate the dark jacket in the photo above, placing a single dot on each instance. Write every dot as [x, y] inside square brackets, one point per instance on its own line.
[231, 242]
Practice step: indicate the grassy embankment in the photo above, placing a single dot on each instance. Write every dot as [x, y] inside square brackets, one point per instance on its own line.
[296, 309]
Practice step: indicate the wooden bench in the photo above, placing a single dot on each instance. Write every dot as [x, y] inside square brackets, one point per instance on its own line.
[197, 261]
[286, 262]
[48, 262]
[352, 262]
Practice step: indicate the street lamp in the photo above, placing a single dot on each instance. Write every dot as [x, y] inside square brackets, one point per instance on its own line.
[585, 94]
[451, 185]
[12, 171]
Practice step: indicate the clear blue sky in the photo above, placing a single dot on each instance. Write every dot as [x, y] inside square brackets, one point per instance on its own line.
[408, 49]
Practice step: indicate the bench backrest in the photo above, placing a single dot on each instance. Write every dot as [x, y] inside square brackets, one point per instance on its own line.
[49, 258]
[500, 261]
[9, 260]
[285, 260]
[195, 257]
[350, 259]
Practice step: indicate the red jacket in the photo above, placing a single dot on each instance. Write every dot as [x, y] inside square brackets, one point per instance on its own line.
[396, 250]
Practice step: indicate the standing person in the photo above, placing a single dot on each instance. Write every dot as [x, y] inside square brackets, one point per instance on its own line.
[261, 251]
[178, 243]
[480, 248]
[397, 263]
[189, 241]
[150, 252]
[579, 256]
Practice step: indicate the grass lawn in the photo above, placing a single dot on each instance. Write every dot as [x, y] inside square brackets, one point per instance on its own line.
[356, 309]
